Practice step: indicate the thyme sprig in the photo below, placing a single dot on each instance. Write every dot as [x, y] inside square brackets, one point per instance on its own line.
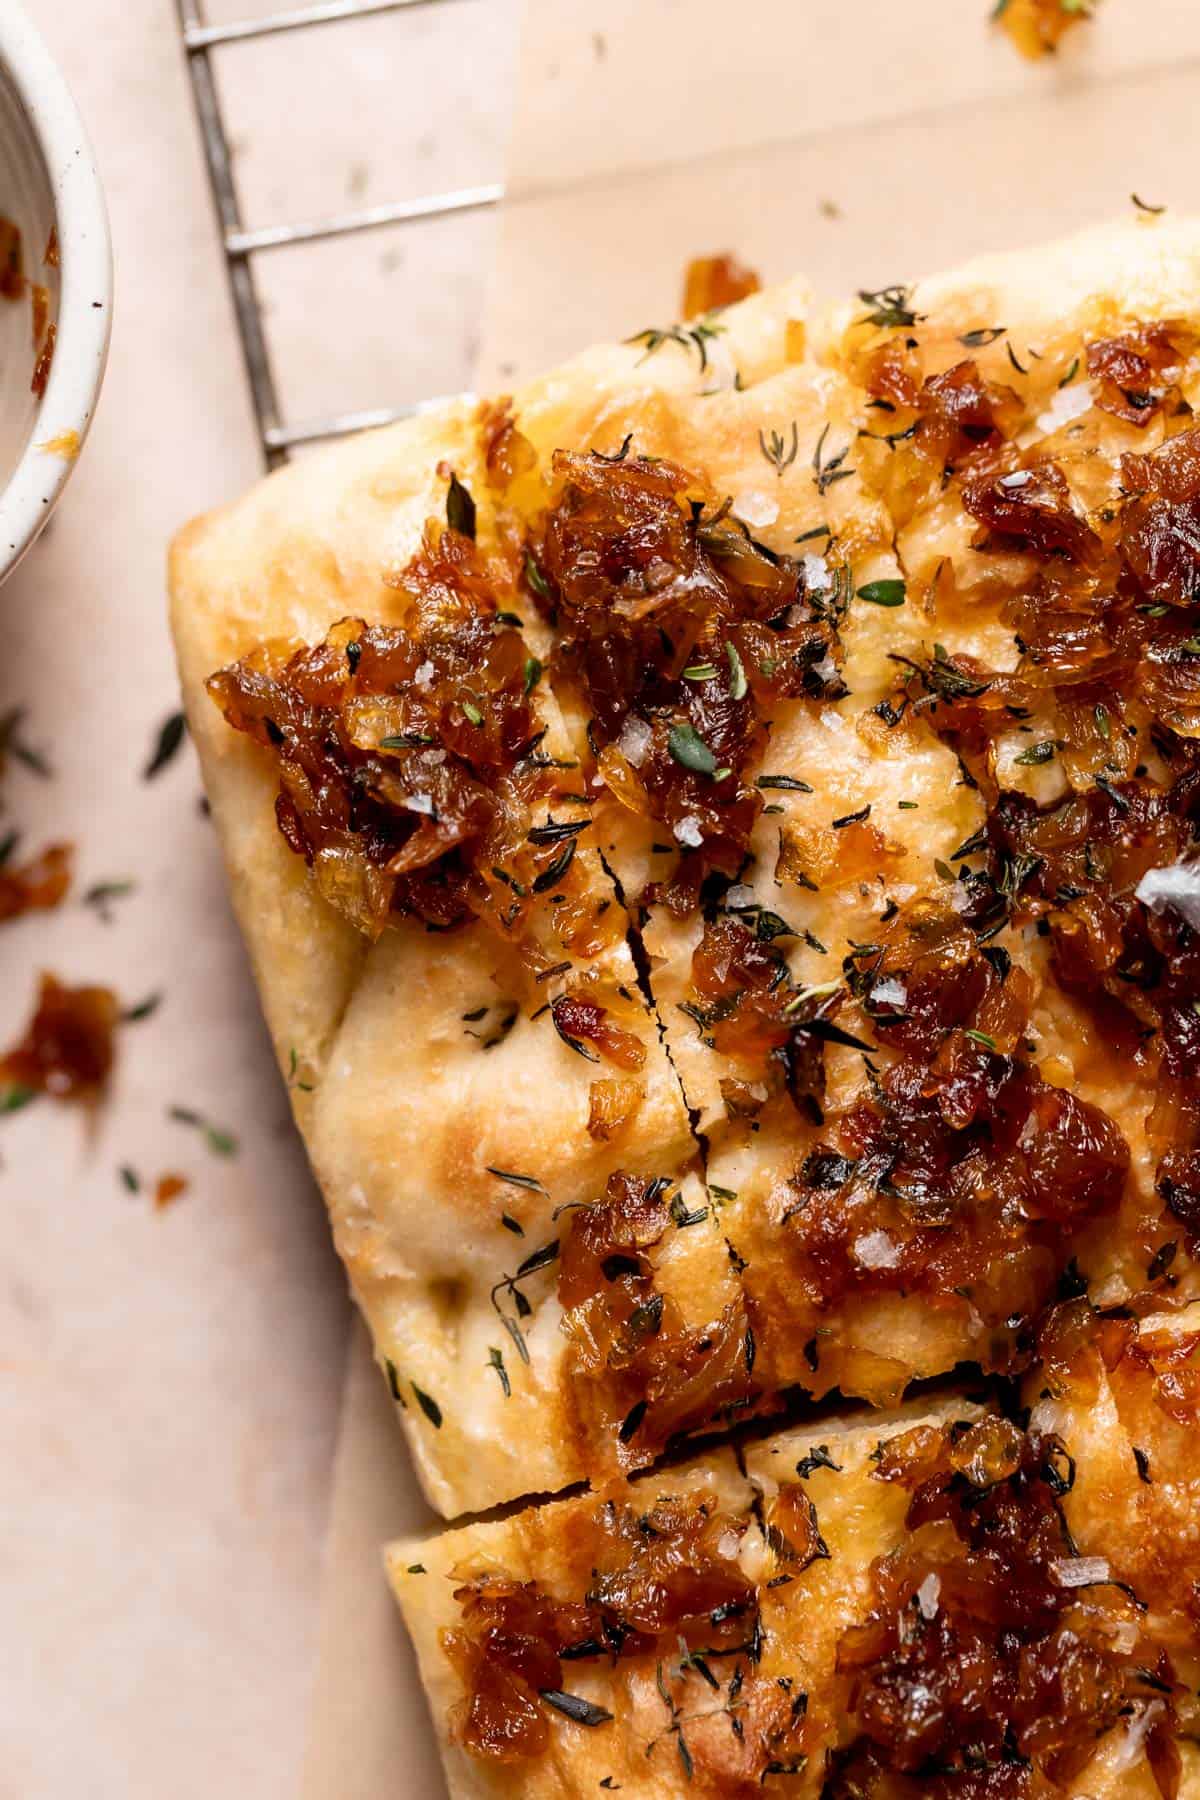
[511, 1285]
[692, 338]
[889, 308]
[827, 471]
[779, 451]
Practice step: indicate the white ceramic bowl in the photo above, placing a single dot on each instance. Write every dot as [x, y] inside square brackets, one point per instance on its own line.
[48, 182]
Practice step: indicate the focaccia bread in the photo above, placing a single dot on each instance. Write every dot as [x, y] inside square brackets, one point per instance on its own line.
[1120, 1390]
[713, 835]
[887, 1606]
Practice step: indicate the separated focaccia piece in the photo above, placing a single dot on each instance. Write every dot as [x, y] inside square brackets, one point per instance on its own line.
[888, 1606]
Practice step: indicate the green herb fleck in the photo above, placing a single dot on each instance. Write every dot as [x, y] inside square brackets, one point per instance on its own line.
[690, 750]
[695, 338]
[428, 1406]
[460, 508]
[788, 782]
[889, 308]
[102, 895]
[883, 593]
[535, 578]
[827, 472]
[573, 1707]
[220, 1142]
[13, 744]
[171, 734]
[496, 1361]
[1039, 753]
[514, 1180]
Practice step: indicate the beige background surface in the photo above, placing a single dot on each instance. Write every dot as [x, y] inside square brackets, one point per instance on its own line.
[170, 1385]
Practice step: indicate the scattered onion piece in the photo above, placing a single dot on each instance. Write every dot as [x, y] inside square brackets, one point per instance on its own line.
[1037, 27]
[37, 886]
[168, 1189]
[713, 281]
[67, 1050]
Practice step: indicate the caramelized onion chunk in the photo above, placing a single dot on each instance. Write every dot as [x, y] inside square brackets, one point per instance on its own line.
[410, 774]
[37, 886]
[991, 1644]
[68, 1047]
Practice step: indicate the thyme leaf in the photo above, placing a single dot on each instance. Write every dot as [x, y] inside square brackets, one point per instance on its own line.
[883, 593]
[690, 750]
[460, 507]
[889, 308]
[496, 1361]
[428, 1406]
[829, 470]
[516, 1180]
[575, 1708]
[171, 734]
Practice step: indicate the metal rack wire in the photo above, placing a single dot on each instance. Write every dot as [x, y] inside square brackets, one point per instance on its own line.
[242, 246]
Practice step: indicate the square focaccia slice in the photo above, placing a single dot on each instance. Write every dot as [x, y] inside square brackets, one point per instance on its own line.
[919, 907]
[442, 955]
[886, 1606]
[466, 1045]
[1121, 1390]
[1043, 494]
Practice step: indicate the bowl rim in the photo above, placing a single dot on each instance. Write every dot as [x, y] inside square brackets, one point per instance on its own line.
[84, 323]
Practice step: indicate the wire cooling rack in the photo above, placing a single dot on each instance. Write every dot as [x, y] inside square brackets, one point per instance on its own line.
[202, 43]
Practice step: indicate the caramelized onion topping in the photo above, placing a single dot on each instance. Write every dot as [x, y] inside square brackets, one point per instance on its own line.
[1107, 619]
[660, 1580]
[678, 630]
[650, 1373]
[991, 1645]
[959, 1171]
[410, 773]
